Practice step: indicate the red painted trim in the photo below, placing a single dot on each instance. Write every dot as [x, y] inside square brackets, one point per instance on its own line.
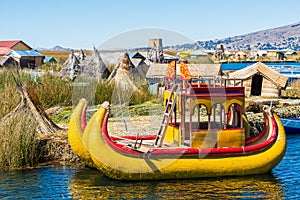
[191, 152]
[213, 95]
[83, 117]
[133, 137]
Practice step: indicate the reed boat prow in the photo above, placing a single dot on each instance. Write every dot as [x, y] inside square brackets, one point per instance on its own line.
[76, 128]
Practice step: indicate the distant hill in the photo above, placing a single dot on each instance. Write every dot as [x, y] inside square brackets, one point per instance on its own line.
[59, 48]
[285, 37]
[55, 48]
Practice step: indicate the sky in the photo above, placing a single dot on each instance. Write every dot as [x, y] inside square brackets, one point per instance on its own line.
[83, 24]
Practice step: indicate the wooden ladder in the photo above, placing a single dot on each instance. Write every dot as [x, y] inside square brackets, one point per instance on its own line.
[166, 118]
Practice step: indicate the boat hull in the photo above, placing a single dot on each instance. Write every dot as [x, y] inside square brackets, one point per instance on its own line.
[147, 167]
[75, 133]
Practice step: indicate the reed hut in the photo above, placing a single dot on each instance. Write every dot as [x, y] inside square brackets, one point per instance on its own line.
[260, 80]
[123, 62]
[72, 66]
[93, 66]
[123, 79]
[137, 66]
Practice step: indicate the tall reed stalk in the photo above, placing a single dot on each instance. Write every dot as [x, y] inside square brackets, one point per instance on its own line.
[18, 141]
[8, 91]
[18, 132]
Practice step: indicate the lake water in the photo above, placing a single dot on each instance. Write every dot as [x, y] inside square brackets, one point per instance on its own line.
[237, 66]
[83, 183]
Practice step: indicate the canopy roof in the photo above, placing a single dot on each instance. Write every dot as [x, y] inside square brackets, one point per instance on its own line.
[196, 70]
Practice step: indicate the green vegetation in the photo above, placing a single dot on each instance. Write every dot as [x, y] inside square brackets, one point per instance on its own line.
[18, 141]
[8, 91]
[288, 111]
[141, 96]
[144, 109]
[21, 144]
[293, 91]
[51, 90]
[63, 116]
[103, 92]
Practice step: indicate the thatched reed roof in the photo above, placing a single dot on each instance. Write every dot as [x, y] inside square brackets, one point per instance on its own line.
[157, 70]
[71, 67]
[196, 70]
[93, 66]
[81, 65]
[205, 70]
[270, 74]
[141, 66]
[136, 66]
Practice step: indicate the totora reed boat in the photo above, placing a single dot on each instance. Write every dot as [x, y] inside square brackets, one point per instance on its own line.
[203, 133]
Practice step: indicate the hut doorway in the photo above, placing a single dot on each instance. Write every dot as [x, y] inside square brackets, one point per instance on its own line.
[256, 85]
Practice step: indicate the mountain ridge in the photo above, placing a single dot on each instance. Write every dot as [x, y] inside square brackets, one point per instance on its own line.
[279, 38]
[55, 48]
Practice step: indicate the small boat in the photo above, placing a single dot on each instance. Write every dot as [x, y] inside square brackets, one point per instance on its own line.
[204, 132]
[291, 125]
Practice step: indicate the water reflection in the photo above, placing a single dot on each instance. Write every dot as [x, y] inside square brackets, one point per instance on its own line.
[35, 184]
[92, 184]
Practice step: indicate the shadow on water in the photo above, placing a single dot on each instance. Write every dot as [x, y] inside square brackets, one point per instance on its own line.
[92, 184]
